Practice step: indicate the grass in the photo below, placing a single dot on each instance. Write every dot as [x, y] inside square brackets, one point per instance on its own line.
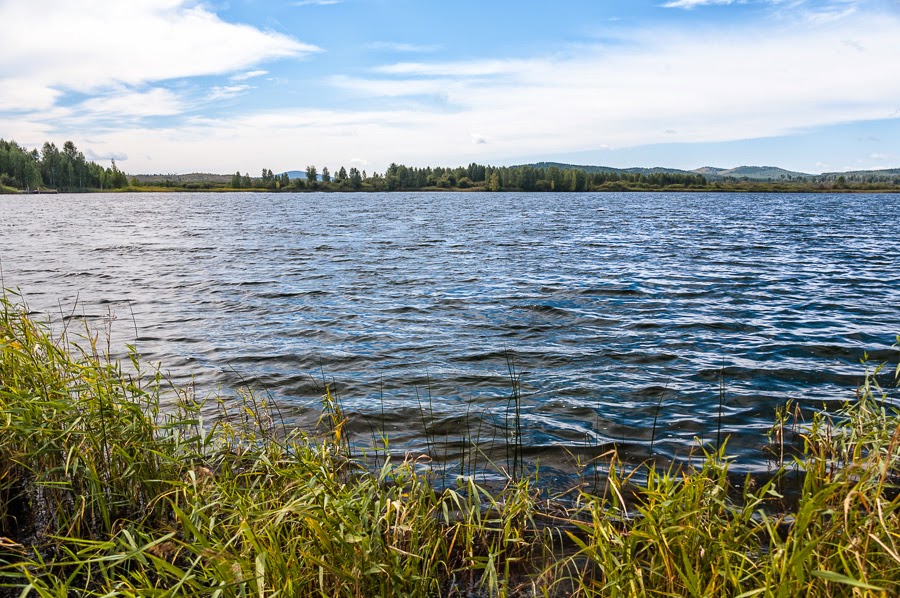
[104, 493]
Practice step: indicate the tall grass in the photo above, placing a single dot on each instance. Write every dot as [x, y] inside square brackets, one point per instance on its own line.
[104, 493]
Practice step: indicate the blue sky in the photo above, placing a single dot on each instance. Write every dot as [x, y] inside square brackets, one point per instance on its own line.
[169, 86]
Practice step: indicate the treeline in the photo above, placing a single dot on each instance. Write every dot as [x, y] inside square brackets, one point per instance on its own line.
[399, 177]
[67, 169]
[52, 168]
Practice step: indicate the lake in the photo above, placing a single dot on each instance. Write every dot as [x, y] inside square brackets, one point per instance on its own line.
[608, 308]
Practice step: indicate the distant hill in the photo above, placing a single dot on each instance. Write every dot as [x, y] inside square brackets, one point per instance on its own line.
[712, 173]
[887, 173]
[194, 177]
[201, 177]
[561, 166]
[753, 173]
[657, 170]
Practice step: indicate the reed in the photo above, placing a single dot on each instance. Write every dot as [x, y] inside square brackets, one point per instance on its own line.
[105, 493]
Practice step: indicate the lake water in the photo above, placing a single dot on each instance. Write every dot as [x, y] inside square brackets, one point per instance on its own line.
[605, 305]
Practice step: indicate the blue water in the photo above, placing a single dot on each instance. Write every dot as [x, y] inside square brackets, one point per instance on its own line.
[605, 305]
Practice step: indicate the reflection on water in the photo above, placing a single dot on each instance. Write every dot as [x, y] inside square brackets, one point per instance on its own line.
[606, 305]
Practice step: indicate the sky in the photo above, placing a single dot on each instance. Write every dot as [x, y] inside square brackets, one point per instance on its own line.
[177, 86]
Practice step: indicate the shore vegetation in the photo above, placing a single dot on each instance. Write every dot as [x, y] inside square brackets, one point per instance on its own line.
[113, 483]
[64, 170]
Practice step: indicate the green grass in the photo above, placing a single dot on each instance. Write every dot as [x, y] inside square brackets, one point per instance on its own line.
[105, 493]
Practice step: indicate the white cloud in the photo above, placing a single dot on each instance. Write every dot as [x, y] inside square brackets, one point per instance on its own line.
[155, 102]
[90, 154]
[813, 10]
[90, 45]
[709, 85]
[248, 75]
[227, 91]
[712, 85]
[480, 68]
[393, 88]
[21, 93]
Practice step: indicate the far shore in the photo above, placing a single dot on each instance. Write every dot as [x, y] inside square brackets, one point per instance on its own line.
[755, 187]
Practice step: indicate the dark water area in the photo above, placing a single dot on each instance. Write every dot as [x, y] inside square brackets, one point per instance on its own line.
[607, 306]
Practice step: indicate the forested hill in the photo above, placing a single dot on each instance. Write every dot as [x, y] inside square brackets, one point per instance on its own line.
[710, 173]
[52, 168]
[765, 174]
[608, 169]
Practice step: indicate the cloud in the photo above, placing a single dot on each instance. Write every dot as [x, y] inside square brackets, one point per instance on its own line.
[479, 68]
[155, 102]
[24, 94]
[90, 154]
[813, 10]
[712, 84]
[103, 44]
[717, 84]
[227, 91]
[317, 2]
[248, 75]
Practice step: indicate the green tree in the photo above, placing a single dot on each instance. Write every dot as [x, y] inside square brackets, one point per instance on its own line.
[326, 176]
[312, 177]
[51, 165]
[356, 179]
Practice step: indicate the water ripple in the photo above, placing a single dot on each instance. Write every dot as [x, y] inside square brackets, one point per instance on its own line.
[614, 308]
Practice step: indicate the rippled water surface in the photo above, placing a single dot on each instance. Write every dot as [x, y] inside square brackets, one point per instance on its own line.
[606, 305]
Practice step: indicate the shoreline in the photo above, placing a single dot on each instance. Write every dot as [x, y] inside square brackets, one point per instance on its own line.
[720, 190]
[101, 489]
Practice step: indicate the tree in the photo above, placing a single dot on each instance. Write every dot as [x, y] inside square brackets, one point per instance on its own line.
[326, 176]
[342, 174]
[236, 181]
[312, 177]
[495, 182]
[116, 178]
[51, 165]
[355, 179]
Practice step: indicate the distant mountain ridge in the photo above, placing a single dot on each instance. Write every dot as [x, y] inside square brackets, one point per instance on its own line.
[193, 177]
[885, 173]
[752, 172]
[712, 173]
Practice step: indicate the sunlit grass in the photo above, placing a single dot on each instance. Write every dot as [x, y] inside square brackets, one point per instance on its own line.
[104, 493]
